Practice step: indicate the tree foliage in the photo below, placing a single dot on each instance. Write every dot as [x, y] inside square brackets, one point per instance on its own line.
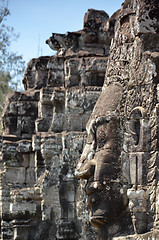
[4, 87]
[9, 61]
[11, 64]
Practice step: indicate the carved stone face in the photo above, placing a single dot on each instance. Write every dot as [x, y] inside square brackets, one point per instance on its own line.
[100, 160]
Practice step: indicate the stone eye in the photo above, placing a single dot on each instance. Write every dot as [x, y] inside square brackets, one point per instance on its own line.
[101, 136]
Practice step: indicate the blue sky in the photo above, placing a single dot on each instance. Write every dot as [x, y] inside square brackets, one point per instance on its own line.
[36, 20]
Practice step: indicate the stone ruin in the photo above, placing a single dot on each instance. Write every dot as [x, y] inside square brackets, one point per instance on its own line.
[43, 135]
[105, 76]
[120, 159]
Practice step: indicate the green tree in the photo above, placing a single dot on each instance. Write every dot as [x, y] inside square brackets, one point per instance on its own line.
[11, 65]
[9, 61]
[4, 87]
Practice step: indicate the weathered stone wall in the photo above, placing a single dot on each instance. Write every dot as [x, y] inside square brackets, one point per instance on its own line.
[44, 131]
[134, 53]
[132, 169]
[43, 136]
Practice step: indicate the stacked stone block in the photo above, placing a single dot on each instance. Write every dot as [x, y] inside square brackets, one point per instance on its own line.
[43, 136]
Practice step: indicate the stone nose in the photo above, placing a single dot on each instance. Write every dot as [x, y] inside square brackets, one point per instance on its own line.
[85, 169]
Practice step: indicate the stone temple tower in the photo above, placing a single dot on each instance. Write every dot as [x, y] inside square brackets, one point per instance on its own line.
[79, 147]
[43, 136]
[120, 158]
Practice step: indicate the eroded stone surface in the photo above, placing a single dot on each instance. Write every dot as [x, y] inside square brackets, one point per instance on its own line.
[43, 136]
[120, 158]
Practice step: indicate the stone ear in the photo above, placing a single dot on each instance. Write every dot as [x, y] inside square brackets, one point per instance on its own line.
[136, 125]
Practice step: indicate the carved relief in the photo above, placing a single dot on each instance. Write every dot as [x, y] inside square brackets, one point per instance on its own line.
[44, 133]
[122, 144]
[100, 162]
